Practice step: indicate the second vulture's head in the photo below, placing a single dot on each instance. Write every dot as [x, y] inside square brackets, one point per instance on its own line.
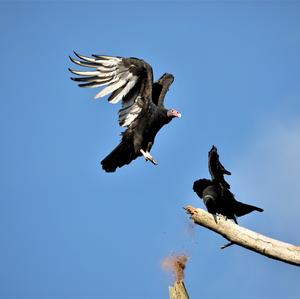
[173, 113]
[200, 185]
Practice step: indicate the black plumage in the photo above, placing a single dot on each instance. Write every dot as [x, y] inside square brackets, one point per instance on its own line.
[215, 167]
[129, 80]
[215, 193]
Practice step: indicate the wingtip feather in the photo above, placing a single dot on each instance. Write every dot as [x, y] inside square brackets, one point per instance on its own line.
[71, 58]
[77, 54]
[71, 71]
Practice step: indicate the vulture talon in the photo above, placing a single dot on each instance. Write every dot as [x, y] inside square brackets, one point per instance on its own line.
[227, 245]
[215, 216]
[153, 162]
[148, 157]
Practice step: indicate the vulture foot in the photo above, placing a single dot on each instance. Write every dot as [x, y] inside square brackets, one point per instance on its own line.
[227, 245]
[148, 157]
[215, 216]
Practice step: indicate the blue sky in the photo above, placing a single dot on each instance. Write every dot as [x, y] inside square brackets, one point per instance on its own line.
[70, 230]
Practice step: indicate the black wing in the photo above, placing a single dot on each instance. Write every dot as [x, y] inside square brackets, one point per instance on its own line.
[160, 88]
[127, 79]
[216, 169]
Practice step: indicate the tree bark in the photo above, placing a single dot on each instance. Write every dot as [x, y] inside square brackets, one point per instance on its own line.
[178, 291]
[246, 238]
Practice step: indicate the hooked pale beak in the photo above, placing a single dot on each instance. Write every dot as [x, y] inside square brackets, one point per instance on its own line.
[173, 113]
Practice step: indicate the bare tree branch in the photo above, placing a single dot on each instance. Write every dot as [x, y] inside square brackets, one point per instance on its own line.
[178, 291]
[176, 263]
[246, 238]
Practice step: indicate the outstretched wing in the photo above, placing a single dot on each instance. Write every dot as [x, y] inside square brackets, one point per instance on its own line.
[216, 169]
[127, 79]
[160, 88]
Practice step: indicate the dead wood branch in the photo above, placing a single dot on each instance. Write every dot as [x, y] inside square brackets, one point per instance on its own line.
[246, 238]
[178, 291]
[176, 264]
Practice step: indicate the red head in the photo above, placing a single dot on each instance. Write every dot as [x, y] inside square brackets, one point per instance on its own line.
[173, 113]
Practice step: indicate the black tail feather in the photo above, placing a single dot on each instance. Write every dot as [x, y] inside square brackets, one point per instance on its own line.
[123, 154]
[242, 209]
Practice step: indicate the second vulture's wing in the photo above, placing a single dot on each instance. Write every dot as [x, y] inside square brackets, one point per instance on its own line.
[216, 169]
[127, 79]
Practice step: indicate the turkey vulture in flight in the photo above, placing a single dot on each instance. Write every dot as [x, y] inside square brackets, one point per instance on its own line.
[216, 194]
[129, 80]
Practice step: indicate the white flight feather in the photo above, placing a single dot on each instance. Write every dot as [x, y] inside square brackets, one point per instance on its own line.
[135, 109]
[113, 85]
[107, 63]
[94, 73]
[85, 73]
[104, 80]
[123, 112]
[109, 57]
[129, 119]
[86, 58]
[82, 63]
[107, 74]
[125, 91]
[104, 69]
[96, 85]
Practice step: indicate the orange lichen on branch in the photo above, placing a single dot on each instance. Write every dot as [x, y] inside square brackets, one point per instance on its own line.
[190, 210]
[176, 265]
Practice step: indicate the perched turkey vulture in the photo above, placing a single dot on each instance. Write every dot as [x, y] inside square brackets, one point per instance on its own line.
[219, 201]
[129, 80]
[215, 193]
